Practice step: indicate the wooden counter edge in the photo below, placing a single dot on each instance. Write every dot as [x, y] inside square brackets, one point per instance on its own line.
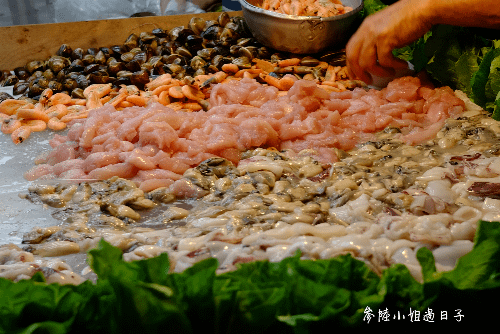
[20, 44]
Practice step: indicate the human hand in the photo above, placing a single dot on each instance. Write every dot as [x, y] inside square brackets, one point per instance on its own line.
[369, 51]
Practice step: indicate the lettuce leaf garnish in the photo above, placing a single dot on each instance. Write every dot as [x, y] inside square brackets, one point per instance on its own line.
[291, 296]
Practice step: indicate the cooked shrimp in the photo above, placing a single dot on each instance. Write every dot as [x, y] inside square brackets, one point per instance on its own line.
[287, 82]
[56, 124]
[192, 93]
[58, 110]
[176, 92]
[289, 62]
[10, 106]
[35, 125]
[34, 113]
[137, 100]
[163, 79]
[3, 116]
[93, 100]
[20, 134]
[45, 96]
[192, 106]
[60, 98]
[100, 90]
[270, 80]
[231, 68]
[164, 98]
[115, 101]
[10, 124]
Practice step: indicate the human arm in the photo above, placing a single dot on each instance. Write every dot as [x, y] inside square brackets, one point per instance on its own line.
[369, 51]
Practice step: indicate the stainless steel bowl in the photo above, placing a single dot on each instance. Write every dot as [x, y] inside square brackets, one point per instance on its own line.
[301, 34]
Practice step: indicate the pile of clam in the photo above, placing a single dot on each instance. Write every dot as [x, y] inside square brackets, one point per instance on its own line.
[202, 47]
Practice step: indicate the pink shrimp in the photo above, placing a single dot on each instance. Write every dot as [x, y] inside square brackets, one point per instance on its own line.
[35, 125]
[56, 124]
[20, 134]
[10, 124]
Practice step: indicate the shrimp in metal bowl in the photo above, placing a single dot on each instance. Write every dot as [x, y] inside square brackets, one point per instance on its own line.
[323, 8]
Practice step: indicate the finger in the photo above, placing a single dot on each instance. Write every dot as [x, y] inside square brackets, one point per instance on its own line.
[386, 58]
[369, 62]
[353, 51]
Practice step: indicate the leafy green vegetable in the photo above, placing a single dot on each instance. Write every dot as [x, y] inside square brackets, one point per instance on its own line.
[291, 296]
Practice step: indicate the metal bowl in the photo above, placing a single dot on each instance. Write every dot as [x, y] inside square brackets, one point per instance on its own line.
[301, 34]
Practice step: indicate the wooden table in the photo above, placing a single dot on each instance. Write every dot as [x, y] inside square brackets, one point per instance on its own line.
[24, 43]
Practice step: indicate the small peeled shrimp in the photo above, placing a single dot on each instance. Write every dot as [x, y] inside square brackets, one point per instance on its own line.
[58, 110]
[45, 96]
[163, 79]
[33, 113]
[93, 100]
[56, 124]
[10, 106]
[100, 89]
[176, 92]
[35, 125]
[60, 98]
[20, 134]
[192, 93]
[10, 124]
[137, 100]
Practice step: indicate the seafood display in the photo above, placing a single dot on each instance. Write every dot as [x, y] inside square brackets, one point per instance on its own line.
[154, 145]
[188, 61]
[380, 201]
[197, 142]
[323, 8]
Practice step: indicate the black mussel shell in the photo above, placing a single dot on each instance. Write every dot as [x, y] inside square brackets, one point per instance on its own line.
[139, 78]
[206, 53]
[91, 68]
[100, 58]
[131, 42]
[221, 50]
[88, 59]
[108, 52]
[77, 93]
[133, 65]
[99, 77]
[115, 66]
[121, 81]
[119, 49]
[69, 84]
[55, 86]
[42, 82]
[20, 87]
[197, 24]
[21, 73]
[77, 53]
[11, 80]
[159, 32]
[57, 63]
[194, 43]
[82, 81]
[76, 65]
[35, 90]
[147, 37]
[5, 96]
[180, 34]
[92, 51]
[64, 51]
[35, 65]
[212, 33]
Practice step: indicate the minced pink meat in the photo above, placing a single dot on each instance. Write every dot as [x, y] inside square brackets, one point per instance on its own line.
[154, 145]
